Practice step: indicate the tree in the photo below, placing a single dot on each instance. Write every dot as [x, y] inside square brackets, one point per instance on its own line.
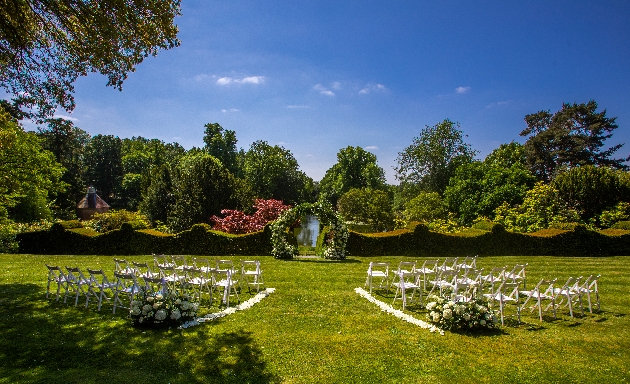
[541, 207]
[46, 45]
[433, 157]
[202, 187]
[590, 190]
[369, 206]
[140, 157]
[569, 138]
[103, 159]
[273, 173]
[221, 144]
[67, 143]
[478, 188]
[425, 208]
[28, 173]
[158, 199]
[355, 168]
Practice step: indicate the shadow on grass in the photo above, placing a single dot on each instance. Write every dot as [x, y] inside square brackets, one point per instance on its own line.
[48, 341]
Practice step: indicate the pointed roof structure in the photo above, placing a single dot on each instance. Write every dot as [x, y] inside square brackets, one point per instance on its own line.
[91, 204]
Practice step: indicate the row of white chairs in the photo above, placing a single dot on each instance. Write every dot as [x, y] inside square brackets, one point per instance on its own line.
[501, 285]
[548, 296]
[199, 279]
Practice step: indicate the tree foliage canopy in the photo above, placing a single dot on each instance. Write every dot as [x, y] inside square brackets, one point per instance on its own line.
[26, 169]
[568, 138]
[67, 143]
[274, 173]
[221, 143]
[355, 168]
[45, 45]
[478, 188]
[369, 206]
[202, 187]
[433, 157]
[590, 190]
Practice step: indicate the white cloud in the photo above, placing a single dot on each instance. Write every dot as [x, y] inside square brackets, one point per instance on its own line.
[251, 80]
[336, 85]
[323, 90]
[298, 106]
[230, 110]
[243, 80]
[462, 90]
[65, 117]
[372, 148]
[373, 87]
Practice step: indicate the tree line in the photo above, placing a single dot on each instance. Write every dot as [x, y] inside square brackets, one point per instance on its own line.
[561, 174]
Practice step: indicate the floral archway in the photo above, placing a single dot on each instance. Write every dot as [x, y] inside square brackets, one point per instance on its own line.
[334, 244]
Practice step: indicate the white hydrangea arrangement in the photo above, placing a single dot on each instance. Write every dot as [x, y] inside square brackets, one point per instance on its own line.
[450, 315]
[162, 310]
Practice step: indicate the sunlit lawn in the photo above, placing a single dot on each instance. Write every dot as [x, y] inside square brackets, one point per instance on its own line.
[314, 328]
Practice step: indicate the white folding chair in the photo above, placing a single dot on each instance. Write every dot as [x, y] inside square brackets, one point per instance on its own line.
[197, 283]
[121, 265]
[251, 274]
[381, 272]
[507, 293]
[155, 284]
[162, 261]
[204, 264]
[446, 281]
[179, 262]
[403, 267]
[223, 280]
[143, 270]
[57, 276]
[517, 274]
[590, 286]
[569, 295]
[493, 279]
[407, 281]
[126, 288]
[429, 268]
[171, 278]
[99, 285]
[449, 264]
[79, 284]
[470, 262]
[542, 292]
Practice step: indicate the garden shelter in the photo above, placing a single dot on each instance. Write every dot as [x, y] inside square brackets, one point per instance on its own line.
[91, 204]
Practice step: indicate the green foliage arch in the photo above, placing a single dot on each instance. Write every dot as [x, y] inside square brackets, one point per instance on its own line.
[335, 243]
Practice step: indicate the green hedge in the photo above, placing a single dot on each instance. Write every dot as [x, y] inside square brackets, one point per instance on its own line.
[417, 240]
[199, 240]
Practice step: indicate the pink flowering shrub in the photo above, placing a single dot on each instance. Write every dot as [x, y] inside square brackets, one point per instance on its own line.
[237, 222]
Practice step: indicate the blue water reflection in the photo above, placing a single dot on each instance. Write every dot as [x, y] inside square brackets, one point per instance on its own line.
[306, 235]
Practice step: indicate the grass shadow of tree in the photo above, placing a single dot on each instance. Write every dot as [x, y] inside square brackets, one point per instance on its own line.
[49, 341]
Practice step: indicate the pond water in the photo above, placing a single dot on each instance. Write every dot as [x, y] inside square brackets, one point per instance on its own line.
[307, 233]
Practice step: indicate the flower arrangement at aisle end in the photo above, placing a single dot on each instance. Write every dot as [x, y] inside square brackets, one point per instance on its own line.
[449, 315]
[157, 310]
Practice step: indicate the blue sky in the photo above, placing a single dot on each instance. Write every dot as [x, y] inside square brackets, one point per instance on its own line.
[317, 76]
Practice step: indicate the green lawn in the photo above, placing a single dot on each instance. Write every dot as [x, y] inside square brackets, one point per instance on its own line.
[314, 328]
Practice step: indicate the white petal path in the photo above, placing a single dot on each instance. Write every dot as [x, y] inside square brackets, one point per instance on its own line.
[228, 311]
[398, 313]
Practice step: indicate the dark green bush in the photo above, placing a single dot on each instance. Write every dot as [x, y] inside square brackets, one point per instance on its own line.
[71, 224]
[622, 225]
